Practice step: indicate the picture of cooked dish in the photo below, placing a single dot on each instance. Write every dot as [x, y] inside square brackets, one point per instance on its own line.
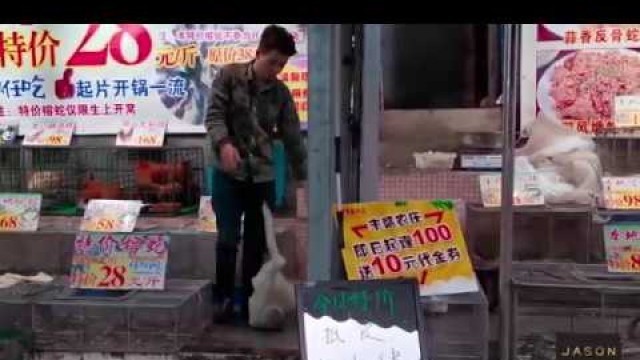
[582, 85]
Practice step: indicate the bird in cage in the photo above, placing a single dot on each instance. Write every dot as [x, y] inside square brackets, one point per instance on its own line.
[92, 188]
[165, 187]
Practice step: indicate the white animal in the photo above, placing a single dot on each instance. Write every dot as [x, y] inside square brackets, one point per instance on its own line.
[566, 161]
[273, 298]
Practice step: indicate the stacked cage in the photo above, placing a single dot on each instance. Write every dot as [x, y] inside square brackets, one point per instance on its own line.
[168, 180]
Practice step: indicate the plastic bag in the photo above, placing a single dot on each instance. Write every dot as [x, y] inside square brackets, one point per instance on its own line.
[273, 298]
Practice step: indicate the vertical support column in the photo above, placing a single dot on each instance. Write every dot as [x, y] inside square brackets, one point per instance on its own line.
[493, 62]
[511, 58]
[371, 112]
[323, 98]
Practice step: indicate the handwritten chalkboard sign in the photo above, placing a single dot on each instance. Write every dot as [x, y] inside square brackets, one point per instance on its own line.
[360, 320]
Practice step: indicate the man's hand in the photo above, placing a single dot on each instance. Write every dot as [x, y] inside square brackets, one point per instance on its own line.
[229, 158]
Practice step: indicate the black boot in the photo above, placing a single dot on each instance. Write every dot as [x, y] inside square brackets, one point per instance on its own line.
[223, 311]
[225, 274]
[244, 312]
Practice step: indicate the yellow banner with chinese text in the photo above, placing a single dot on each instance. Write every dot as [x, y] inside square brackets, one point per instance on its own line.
[413, 239]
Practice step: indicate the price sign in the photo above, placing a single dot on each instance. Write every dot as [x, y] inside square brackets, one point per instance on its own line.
[206, 216]
[119, 261]
[142, 133]
[627, 111]
[526, 190]
[52, 132]
[415, 239]
[622, 246]
[111, 215]
[19, 212]
[622, 193]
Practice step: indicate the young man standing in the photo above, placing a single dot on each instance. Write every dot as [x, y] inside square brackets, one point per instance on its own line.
[250, 109]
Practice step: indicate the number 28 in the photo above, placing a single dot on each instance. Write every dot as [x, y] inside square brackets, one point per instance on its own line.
[138, 33]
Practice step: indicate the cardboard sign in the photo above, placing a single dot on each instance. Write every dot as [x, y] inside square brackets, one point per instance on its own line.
[142, 133]
[622, 246]
[588, 346]
[120, 261]
[621, 193]
[360, 320]
[206, 216]
[19, 212]
[526, 190]
[111, 215]
[413, 239]
[52, 132]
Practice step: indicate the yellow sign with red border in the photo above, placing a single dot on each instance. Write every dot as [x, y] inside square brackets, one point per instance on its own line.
[413, 239]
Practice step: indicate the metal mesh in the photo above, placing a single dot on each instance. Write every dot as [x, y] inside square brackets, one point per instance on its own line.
[10, 174]
[69, 176]
[457, 326]
[617, 149]
[153, 322]
[551, 298]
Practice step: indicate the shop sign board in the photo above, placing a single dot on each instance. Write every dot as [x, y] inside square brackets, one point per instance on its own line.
[577, 75]
[414, 239]
[360, 320]
[19, 212]
[100, 75]
[117, 261]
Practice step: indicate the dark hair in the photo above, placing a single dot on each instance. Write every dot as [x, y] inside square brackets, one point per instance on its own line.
[277, 38]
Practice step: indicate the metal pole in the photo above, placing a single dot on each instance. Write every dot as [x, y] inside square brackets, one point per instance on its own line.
[371, 112]
[323, 97]
[509, 112]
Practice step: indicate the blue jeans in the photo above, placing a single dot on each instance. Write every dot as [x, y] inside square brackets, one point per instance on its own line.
[231, 200]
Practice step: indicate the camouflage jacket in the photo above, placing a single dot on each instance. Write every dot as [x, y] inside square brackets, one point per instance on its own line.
[252, 118]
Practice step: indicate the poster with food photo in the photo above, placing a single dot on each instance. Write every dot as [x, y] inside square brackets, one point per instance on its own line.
[573, 73]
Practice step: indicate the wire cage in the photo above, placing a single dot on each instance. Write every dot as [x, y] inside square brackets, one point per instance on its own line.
[617, 149]
[10, 174]
[572, 298]
[457, 326]
[169, 180]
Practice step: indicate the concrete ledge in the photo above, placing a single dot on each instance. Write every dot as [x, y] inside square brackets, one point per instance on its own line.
[191, 253]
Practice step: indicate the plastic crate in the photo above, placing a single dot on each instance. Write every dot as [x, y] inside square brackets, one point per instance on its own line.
[551, 298]
[457, 326]
[141, 321]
